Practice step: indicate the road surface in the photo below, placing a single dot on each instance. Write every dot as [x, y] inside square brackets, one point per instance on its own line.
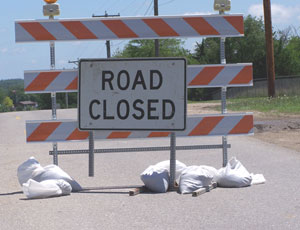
[274, 205]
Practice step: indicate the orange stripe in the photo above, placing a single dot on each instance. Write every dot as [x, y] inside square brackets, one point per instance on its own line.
[37, 31]
[43, 131]
[159, 134]
[206, 126]
[244, 126]
[160, 27]
[201, 26]
[78, 135]
[237, 22]
[244, 76]
[206, 75]
[42, 81]
[73, 85]
[78, 30]
[118, 135]
[119, 28]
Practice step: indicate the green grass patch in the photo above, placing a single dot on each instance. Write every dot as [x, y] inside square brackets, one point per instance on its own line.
[282, 104]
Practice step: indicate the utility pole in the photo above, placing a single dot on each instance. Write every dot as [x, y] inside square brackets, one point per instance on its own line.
[156, 41]
[269, 48]
[108, 54]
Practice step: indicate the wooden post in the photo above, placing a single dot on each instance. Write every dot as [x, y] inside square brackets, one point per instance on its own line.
[269, 48]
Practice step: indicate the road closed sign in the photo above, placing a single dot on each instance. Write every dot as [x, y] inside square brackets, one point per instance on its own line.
[132, 94]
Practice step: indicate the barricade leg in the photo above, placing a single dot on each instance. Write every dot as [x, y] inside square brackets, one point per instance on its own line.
[172, 162]
[91, 154]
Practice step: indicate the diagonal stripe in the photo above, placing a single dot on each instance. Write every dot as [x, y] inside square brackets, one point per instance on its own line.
[226, 75]
[78, 30]
[42, 81]
[73, 85]
[36, 30]
[58, 30]
[114, 135]
[161, 28]
[43, 131]
[201, 26]
[206, 125]
[140, 28]
[21, 34]
[119, 28]
[237, 22]
[244, 126]
[244, 76]
[206, 75]
[159, 134]
[78, 135]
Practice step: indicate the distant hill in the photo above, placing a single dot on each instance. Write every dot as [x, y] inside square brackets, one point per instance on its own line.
[11, 84]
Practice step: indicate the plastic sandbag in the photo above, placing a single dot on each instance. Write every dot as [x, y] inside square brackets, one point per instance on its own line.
[195, 177]
[48, 188]
[28, 170]
[156, 179]
[166, 165]
[55, 172]
[234, 175]
[257, 179]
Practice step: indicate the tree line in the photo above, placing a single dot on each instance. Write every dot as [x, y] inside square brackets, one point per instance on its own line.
[248, 49]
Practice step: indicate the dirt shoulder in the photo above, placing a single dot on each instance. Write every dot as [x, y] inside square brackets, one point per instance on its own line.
[279, 129]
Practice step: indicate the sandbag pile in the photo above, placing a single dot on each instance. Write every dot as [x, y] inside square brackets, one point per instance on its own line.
[233, 175]
[43, 182]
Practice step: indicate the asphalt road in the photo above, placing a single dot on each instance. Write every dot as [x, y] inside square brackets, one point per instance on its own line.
[274, 205]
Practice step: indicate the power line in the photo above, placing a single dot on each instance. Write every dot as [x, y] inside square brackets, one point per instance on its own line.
[149, 7]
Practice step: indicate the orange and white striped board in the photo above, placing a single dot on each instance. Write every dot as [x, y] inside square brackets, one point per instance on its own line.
[129, 28]
[198, 76]
[51, 81]
[204, 125]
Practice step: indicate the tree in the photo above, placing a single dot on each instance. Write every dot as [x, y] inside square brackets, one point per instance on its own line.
[145, 48]
[7, 104]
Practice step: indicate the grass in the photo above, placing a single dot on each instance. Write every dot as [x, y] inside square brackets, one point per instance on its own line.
[277, 105]
[281, 104]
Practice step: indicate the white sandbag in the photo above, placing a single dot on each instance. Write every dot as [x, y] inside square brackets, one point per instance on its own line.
[28, 170]
[233, 175]
[55, 172]
[212, 171]
[48, 188]
[195, 177]
[166, 165]
[257, 179]
[156, 179]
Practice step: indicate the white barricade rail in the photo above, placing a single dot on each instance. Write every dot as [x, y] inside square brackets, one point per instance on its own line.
[204, 125]
[130, 28]
[204, 76]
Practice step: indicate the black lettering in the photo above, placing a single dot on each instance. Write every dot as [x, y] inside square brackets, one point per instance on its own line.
[123, 117]
[107, 77]
[142, 113]
[91, 109]
[127, 78]
[164, 105]
[139, 79]
[105, 116]
[160, 79]
[152, 109]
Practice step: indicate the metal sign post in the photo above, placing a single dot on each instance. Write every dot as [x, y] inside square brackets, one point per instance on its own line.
[51, 9]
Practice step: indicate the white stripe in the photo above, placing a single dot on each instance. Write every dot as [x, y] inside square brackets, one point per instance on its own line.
[58, 31]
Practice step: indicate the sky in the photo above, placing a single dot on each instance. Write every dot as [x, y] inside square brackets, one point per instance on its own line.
[15, 58]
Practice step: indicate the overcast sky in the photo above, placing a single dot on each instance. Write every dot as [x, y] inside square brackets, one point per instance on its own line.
[15, 58]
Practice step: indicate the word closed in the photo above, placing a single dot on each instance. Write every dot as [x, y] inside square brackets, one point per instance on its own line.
[132, 94]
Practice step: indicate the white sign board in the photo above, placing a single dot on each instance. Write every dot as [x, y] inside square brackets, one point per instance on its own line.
[132, 94]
